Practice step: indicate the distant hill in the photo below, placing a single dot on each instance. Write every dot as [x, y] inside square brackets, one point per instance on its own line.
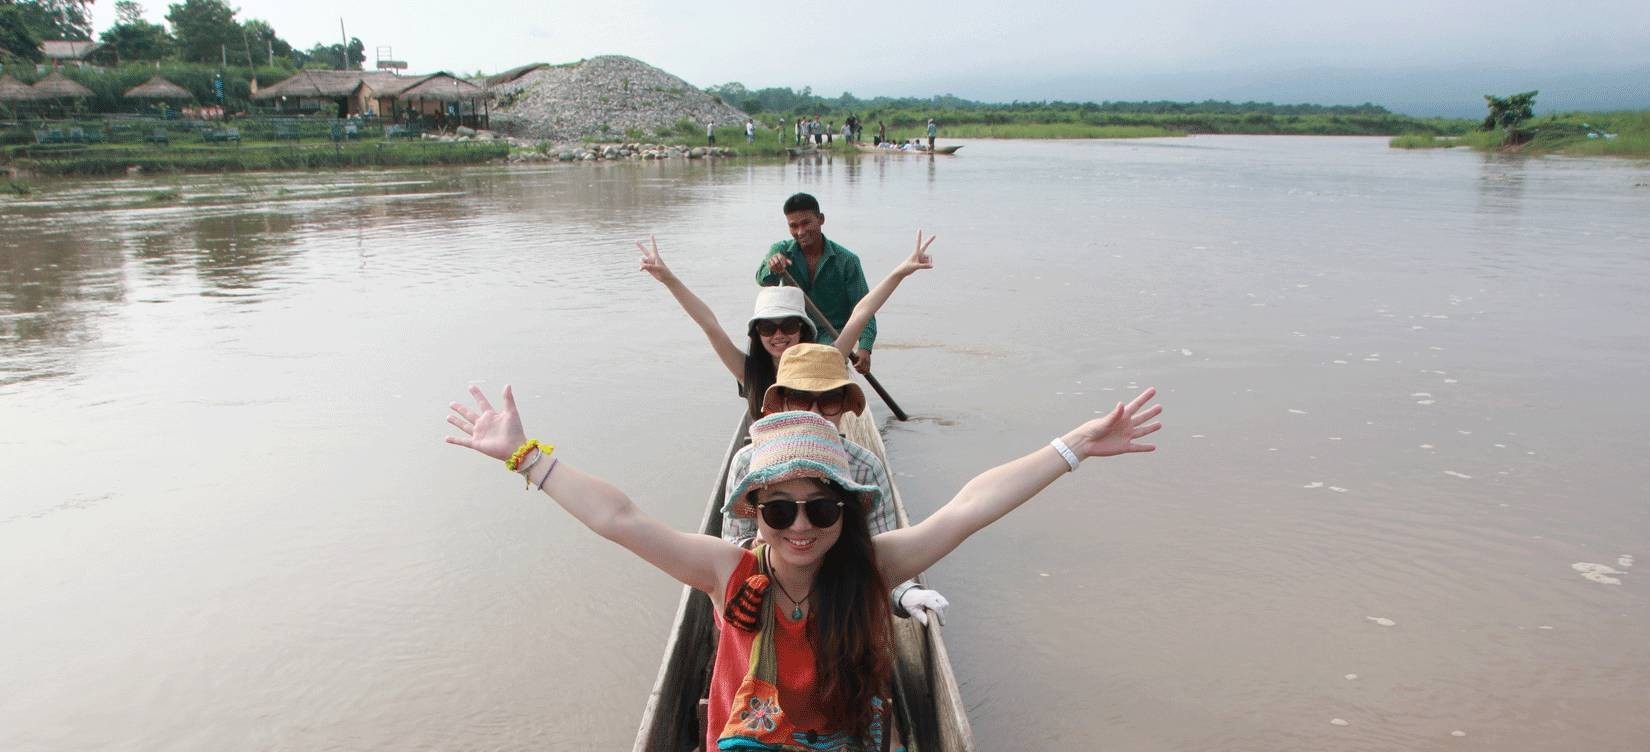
[602, 97]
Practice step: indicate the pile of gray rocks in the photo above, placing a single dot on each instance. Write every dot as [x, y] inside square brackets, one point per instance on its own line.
[602, 97]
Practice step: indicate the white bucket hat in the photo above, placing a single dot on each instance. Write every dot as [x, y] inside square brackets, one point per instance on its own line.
[776, 303]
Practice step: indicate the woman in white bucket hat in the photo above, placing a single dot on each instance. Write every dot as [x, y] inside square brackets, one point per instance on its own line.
[779, 320]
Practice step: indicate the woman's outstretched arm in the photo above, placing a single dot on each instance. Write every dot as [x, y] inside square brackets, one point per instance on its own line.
[867, 306]
[726, 351]
[701, 562]
[907, 552]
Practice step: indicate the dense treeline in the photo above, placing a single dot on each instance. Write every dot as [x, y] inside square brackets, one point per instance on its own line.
[785, 101]
[963, 117]
[197, 31]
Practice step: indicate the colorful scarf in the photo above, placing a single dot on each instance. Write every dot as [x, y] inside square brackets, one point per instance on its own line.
[756, 722]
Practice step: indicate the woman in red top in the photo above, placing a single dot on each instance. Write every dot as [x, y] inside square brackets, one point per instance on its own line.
[817, 591]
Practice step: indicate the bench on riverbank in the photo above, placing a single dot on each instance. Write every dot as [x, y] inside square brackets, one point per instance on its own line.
[213, 135]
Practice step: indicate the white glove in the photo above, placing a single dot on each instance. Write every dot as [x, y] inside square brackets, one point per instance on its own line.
[919, 601]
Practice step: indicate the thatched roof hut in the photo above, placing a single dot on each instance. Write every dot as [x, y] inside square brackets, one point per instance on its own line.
[158, 88]
[13, 91]
[442, 87]
[58, 86]
[328, 84]
[67, 49]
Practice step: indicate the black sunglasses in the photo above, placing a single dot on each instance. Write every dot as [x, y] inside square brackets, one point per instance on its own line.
[780, 514]
[766, 327]
[830, 403]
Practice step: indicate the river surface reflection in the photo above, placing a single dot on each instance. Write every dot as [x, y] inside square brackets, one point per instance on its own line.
[1404, 395]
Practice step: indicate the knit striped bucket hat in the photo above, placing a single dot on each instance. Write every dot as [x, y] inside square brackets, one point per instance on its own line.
[791, 445]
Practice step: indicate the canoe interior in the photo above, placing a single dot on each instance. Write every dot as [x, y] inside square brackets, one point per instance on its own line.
[926, 693]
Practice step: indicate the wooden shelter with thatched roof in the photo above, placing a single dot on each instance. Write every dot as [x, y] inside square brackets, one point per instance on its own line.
[445, 95]
[58, 86]
[159, 92]
[14, 92]
[63, 93]
[160, 89]
[353, 92]
[68, 50]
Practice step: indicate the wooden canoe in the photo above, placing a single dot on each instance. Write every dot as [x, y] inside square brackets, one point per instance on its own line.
[940, 150]
[926, 696]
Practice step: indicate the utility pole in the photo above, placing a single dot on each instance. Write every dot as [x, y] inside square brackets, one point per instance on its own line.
[343, 46]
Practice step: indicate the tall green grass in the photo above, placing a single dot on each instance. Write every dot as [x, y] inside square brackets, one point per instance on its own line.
[1616, 134]
[1423, 141]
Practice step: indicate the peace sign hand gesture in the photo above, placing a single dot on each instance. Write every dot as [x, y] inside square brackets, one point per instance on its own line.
[919, 258]
[653, 263]
[1115, 433]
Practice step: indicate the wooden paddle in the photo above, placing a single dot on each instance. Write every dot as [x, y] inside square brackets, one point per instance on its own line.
[831, 332]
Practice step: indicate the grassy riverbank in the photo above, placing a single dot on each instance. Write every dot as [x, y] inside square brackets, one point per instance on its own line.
[116, 159]
[1604, 134]
[769, 141]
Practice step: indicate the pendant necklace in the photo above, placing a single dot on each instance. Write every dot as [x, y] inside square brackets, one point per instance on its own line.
[796, 605]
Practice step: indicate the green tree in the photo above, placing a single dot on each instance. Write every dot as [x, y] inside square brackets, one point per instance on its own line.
[51, 19]
[1507, 113]
[138, 41]
[128, 12]
[203, 28]
[18, 39]
[336, 56]
[323, 56]
[264, 41]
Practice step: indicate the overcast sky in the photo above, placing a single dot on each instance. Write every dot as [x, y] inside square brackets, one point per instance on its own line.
[1421, 57]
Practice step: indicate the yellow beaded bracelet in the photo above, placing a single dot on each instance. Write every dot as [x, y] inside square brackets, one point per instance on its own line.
[520, 453]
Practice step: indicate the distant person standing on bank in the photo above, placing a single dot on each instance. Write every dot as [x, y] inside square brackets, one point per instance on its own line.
[933, 130]
[750, 131]
[827, 272]
[882, 132]
[710, 132]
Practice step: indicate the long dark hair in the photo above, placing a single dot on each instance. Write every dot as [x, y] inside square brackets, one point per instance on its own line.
[852, 629]
[760, 371]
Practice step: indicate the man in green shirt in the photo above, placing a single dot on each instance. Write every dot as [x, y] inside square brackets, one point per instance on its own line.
[827, 272]
[933, 130]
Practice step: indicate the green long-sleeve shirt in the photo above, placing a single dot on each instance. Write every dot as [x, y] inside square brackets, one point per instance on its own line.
[835, 287]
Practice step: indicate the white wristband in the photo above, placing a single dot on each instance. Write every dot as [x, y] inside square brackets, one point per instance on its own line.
[1065, 451]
